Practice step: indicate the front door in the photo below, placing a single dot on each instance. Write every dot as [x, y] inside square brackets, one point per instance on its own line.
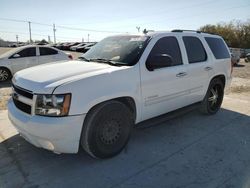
[163, 89]
[23, 59]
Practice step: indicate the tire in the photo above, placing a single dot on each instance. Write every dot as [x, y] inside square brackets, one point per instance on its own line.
[5, 74]
[107, 129]
[214, 97]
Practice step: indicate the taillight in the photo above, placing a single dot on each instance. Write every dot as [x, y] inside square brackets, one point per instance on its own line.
[70, 56]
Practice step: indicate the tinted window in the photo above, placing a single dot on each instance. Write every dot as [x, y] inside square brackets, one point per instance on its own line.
[169, 46]
[218, 47]
[28, 52]
[47, 51]
[195, 50]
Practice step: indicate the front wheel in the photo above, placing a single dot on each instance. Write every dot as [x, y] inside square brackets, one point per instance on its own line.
[4, 74]
[214, 97]
[107, 129]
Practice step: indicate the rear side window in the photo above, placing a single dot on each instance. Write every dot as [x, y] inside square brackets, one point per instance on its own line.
[195, 50]
[28, 52]
[47, 51]
[169, 46]
[218, 47]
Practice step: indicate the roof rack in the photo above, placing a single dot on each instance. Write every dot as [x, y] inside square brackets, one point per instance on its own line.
[181, 30]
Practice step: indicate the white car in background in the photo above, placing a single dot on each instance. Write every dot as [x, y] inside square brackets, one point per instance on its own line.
[28, 56]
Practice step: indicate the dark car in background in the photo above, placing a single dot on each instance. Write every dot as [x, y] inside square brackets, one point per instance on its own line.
[85, 48]
[247, 58]
[59, 45]
[73, 48]
[68, 45]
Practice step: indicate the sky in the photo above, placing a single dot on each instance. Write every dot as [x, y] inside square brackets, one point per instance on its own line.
[93, 20]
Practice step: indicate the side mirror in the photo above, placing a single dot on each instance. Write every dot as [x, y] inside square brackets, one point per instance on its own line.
[159, 61]
[16, 56]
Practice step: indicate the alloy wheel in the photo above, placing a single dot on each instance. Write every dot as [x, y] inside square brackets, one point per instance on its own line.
[3, 75]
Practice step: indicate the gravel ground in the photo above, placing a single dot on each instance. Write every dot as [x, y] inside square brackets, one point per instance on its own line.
[240, 86]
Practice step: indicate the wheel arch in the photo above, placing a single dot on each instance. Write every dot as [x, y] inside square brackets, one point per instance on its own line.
[221, 77]
[126, 100]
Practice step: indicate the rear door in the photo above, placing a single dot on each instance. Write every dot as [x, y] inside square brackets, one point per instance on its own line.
[199, 66]
[47, 55]
[23, 59]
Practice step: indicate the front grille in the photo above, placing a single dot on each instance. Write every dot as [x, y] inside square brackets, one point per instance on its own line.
[22, 106]
[21, 97]
[23, 92]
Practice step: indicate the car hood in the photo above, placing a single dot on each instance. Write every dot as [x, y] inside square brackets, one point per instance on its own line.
[45, 78]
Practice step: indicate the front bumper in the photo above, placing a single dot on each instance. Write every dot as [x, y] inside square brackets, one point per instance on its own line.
[58, 134]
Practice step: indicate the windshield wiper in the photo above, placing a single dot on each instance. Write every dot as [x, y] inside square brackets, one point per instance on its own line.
[83, 58]
[102, 60]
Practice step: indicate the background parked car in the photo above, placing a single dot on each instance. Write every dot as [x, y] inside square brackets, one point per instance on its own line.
[235, 59]
[59, 45]
[85, 48]
[73, 48]
[247, 58]
[28, 56]
[68, 45]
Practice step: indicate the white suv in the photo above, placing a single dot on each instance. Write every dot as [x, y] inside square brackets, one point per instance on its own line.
[123, 80]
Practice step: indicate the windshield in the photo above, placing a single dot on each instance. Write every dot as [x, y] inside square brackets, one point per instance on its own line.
[121, 49]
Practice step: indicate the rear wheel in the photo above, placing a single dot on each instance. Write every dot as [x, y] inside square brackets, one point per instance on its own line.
[107, 129]
[4, 74]
[214, 97]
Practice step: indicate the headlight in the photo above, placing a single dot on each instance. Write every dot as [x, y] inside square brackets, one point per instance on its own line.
[53, 105]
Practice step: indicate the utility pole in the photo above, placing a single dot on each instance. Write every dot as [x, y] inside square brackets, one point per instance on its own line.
[88, 37]
[82, 39]
[54, 31]
[17, 39]
[49, 39]
[30, 31]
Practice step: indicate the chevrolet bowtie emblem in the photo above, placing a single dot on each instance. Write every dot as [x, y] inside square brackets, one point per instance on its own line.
[15, 96]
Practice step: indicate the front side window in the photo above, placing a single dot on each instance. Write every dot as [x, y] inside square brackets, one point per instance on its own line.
[195, 50]
[28, 52]
[168, 46]
[47, 51]
[124, 50]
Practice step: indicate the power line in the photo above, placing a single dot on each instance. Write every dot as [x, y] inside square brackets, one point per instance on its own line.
[161, 12]
[183, 17]
[90, 30]
[61, 26]
[204, 13]
[13, 20]
[111, 31]
[36, 34]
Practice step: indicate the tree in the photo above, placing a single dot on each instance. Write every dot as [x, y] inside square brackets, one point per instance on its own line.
[235, 33]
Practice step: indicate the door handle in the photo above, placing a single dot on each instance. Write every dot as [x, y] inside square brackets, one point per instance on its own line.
[181, 74]
[208, 68]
